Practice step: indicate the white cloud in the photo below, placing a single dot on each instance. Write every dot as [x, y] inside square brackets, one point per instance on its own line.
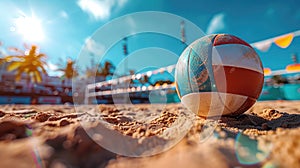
[52, 66]
[64, 14]
[99, 9]
[93, 47]
[216, 24]
[2, 50]
[52, 69]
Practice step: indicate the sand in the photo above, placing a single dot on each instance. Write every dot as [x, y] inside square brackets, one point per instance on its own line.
[267, 135]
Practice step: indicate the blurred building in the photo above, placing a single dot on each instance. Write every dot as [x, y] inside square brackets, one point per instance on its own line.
[52, 89]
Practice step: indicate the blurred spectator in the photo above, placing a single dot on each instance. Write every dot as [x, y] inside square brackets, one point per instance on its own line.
[278, 79]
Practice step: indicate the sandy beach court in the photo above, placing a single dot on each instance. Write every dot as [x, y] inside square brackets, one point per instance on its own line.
[267, 135]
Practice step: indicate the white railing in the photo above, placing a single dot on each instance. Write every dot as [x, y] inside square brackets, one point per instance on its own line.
[128, 89]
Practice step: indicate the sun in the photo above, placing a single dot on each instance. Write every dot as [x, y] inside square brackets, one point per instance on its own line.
[30, 28]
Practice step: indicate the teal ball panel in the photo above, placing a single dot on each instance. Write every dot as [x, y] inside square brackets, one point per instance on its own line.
[194, 68]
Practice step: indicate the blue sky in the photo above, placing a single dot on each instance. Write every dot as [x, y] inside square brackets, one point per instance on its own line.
[67, 26]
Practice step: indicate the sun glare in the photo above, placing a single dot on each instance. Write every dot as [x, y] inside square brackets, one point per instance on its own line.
[30, 28]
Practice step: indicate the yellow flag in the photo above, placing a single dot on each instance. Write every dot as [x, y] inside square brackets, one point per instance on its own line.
[284, 41]
[267, 71]
[293, 68]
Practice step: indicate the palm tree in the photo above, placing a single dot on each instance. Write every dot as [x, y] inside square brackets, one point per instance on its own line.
[69, 71]
[145, 79]
[101, 72]
[90, 71]
[107, 70]
[30, 62]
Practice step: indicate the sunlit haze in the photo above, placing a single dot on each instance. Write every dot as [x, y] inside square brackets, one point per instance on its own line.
[30, 28]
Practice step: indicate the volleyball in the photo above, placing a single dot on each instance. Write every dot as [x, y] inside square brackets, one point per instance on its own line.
[219, 74]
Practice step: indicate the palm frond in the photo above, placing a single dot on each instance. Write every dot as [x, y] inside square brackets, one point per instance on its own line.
[34, 79]
[38, 76]
[44, 63]
[41, 55]
[18, 75]
[43, 70]
[14, 49]
[41, 64]
[13, 66]
[26, 70]
[10, 57]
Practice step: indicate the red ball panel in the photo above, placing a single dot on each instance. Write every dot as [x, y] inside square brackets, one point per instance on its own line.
[238, 80]
[229, 39]
[245, 106]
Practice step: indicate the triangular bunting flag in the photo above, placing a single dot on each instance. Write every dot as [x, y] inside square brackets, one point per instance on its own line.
[293, 68]
[263, 46]
[267, 71]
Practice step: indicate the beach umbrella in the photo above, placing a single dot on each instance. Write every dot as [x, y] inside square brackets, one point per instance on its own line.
[293, 67]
